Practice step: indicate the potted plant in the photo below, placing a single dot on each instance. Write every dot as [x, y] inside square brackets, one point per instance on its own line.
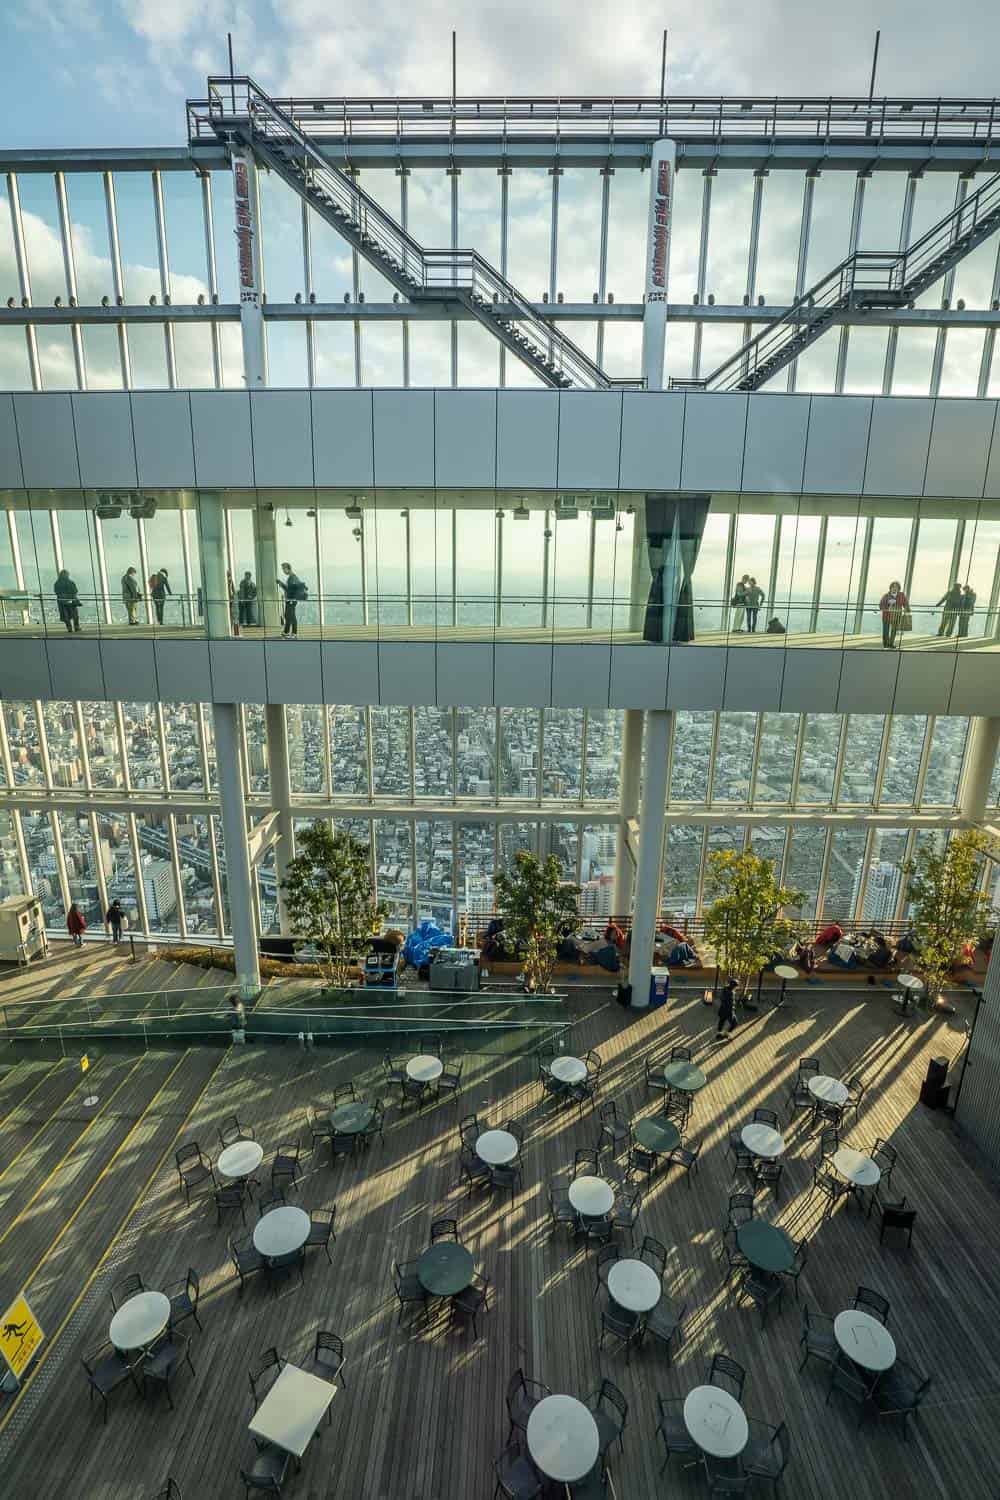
[537, 906]
[946, 908]
[330, 901]
[746, 922]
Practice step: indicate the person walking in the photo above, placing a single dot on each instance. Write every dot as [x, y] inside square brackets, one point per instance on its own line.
[114, 921]
[76, 924]
[131, 594]
[67, 600]
[295, 592]
[247, 600]
[739, 603]
[727, 1010]
[952, 601]
[892, 607]
[965, 610]
[159, 588]
[754, 598]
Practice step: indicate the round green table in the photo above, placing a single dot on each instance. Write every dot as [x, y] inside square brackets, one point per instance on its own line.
[352, 1118]
[765, 1246]
[444, 1269]
[657, 1135]
[684, 1075]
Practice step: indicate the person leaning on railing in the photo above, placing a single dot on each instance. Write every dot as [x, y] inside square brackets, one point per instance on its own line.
[67, 600]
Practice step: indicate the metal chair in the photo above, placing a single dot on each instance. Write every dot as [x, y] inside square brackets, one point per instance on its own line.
[515, 1477]
[264, 1373]
[328, 1356]
[829, 1187]
[128, 1287]
[894, 1218]
[680, 1054]
[374, 1127]
[319, 1128]
[799, 1096]
[726, 1476]
[607, 1255]
[763, 1289]
[268, 1471]
[472, 1300]
[586, 1163]
[654, 1254]
[507, 1175]
[609, 1410]
[469, 1130]
[766, 1117]
[106, 1371]
[766, 1453]
[736, 1261]
[344, 1093]
[450, 1081]
[727, 1375]
[885, 1157]
[561, 1210]
[740, 1209]
[321, 1230]
[673, 1429]
[625, 1213]
[654, 1074]
[640, 1160]
[231, 1131]
[285, 1165]
[798, 1265]
[274, 1199]
[665, 1323]
[246, 1258]
[872, 1303]
[193, 1168]
[900, 1391]
[522, 1396]
[516, 1129]
[743, 1159]
[474, 1172]
[829, 1143]
[856, 1090]
[395, 1071]
[341, 1145]
[184, 1300]
[816, 1338]
[614, 1133]
[445, 1229]
[846, 1378]
[162, 1360]
[278, 1266]
[769, 1174]
[409, 1291]
[233, 1195]
[622, 1325]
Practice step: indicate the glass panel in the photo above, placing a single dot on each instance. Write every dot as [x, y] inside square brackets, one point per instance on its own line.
[256, 742]
[932, 575]
[434, 870]
[598, 844]
[885, 876]
[220, 850]
[101, 733]
[40, 844]
[980, 548]
[11, 883]
[680, 870]
[842, 557]
[564, 843]
[767, 840]
[80, 560]
[158, 873]
[519, 754]
[776, 758]
[65, 760]
[524, 556]
[734, 758]
[391, 752]
[691, 756]
[804, 865]
[195, 851]
[24, 739]
[474, 854]
[475, 565]
[81, 865]
[267, 893]
[142, 746]
[817, 768]
[752, 557]
[795, 577]
[710, 572]
[342, 572]
[349, 751]
[305, 726]
[432, 744]
[944, 761]
[182, 733]
[843, 877]
[562, 757]
[902, 760]
[515, 836]
[862, 746]
[475, 730]
[604, 751]
[571, 564]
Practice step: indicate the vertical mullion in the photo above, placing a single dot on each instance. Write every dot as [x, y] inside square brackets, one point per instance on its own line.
[260, 261]
[102, 885]
[866, 555]
[22, 850]
[925, 755]
[824, 870]
[403, 173]
[818, 574]
[866, 864]
[220, 907]
[23, 276]
[164, 264]
[540, 778]
[307, 290]
[591, 569]
[838, 765]
[122, 750]
[713, 755]
[583, 758]
[911, 555]
[69, 270]
[43, 744]
[117, 276]
[454, 173]
[140, 529]
[504, 175]
[206, 778]
[883, 756]
[753, 247]
[81, 737]
[602, 262]
[371, 765]
[989, 342]
[755, 759]
[727, 577]
[905, 228]
[60, 855]
[857, 212]
[947, 292]
[805, 229]
[175, 863]
[706, 215]
[208, 224]
[555, 173]
[189, 583]
[140, 884]
[355, 293]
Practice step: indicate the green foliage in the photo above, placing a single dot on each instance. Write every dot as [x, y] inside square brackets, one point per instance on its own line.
[947, 910]
[537, 907]
[329, 898]
[746, 922]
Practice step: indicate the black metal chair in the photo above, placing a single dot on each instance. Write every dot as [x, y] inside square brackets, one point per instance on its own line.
[885, 1157]
[894, 1218]
[516, 1478]
[766, 1117]
[736, 1261]
[507, 1175]
[769, 1173]
[817, 1339]
[264, 1373]
[450, 1081]
[395, 1071]
[277, 1267]
[522, 1396]
[319, 1128]
[799, 1096]
[766, 1453]
[829, 1143]
[625, 1213]
[686, 1157]
[374, 1127]
[274, 1199]
[344, 1093]
[516, 1129]
[609, 1409]
[743, 1159]
[740, 1210]
[641, 1160]
[873, 1303]
[654, 1074]
[232, 1196]
[321, 1230]
[606, 1257]
[246, 1258]
[798, 1264]
[184, 1299]
[829, 1187]
[409, 1291]
[342, 1145]
[328, 1357]
[764, 1289]
[856, 1090]
[846, 1378]
[622, 1325]
[472, 1300]
[900, 1391]
[673, 1429]
[726, 1476]
[231, 1131]
[193, 1168]
[161, 1362]
[469, 1130]
[445, 1229]
[561, 1210]
[614, 1133]
[586, 1163]
[680, 1054]
[107, 1370]
[654, 1254]
[826, 1112]
[285, 1166]
[727, 1375]
[665, 1323]
[474, 1172]
[268, 1471]
[129, 1286]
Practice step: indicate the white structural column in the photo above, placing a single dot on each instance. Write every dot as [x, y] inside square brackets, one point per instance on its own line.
[248, 268]
[980, 758]
[215, 588]
[646, 903]
[281, 799]
[232, 804]
[654, 317]
[629, 807]
[267, 567]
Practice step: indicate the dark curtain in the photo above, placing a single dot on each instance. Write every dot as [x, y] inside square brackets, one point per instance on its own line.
[675, 525]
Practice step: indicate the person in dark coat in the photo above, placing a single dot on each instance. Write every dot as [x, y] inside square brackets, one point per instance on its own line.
[727, 1009]
[159, 588]
[67, 600]
[246, 596]
[115, 920]
[965, 609]
[952, 601]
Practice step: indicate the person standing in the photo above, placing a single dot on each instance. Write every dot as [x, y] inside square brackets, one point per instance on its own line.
[115, 921]
[966, 609]
[234, 619]
[294, 591]
[739, 603]
[67, 600]
[159, 588]
[76, 924]
[892, 605]
[131, 594]
[952, 601]
[754, 598]
[727, 1010]
[247, 600]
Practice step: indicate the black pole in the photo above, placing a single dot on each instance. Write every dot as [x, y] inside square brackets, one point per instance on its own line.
[232, 80]
[953, 1106]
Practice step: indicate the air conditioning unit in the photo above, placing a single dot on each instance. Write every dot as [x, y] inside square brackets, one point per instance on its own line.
[567, 508]
[109, 507]
[602, 507]
[142, 507]
[520, 512]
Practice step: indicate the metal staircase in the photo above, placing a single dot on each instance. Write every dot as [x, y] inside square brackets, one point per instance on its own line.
[866, 280]
[238, 108]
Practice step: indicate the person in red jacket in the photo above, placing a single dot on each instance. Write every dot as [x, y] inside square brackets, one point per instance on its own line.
[76, 924]
[892, 606]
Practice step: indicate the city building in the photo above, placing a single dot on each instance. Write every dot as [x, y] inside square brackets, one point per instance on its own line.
[876, 893]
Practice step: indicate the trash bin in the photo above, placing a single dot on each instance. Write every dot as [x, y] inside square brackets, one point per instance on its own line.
[659, 987]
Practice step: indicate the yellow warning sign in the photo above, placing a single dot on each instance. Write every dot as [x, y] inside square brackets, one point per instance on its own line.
[20, 1336]
[84, 1063]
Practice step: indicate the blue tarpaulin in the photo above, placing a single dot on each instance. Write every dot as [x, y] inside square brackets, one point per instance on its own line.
[417, 948]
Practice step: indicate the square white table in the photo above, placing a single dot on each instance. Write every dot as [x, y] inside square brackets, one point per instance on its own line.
[292, 1410]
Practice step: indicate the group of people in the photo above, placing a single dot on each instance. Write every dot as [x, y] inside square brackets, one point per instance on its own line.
[242, 598]
[159, 587]
[114, 922]
[959, 603]
[748, 596]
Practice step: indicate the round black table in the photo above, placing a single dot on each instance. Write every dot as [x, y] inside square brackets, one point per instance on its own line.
[657, 1135]
[684, 1076]
[445, 1268]
[352, 1118]
[765, 1246]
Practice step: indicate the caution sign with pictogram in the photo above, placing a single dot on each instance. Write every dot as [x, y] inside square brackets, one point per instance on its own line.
[20, 1336]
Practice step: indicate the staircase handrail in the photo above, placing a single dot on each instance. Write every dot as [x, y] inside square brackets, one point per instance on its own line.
[963, 217]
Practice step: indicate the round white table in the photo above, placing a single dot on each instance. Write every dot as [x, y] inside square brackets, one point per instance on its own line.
[563, 1439]
[830, 1090]
[568, 1070]
[634, 1285]
[910, 986]
[240, 1159]
[856, 1167]
[865, 1340]
[591, 1196]
[281, 1232]
[424, 1069]
[784, 972]
[763, 1140]
[496, 1147]
[140, 1320]
[716, 1421]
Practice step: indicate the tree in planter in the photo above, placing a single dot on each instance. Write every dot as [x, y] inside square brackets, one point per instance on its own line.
[946, 909]
[537, 906]
[329, 899]
[746, 922]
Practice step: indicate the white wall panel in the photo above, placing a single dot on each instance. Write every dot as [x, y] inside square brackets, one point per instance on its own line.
[522, 675]
[527, 439]
[639, 676]
[404, 437]
[993, 466]
[281, 423]
[465, 439]
[837, 445]
[465, 674]
[581, 675]
[11, 477]
[47, 440]
[223, 448]
[753, 678]
[867, 682]
[975, 688]
[164, 444]
[923, 682]
[960, 447]
[696, 676]
[898, 445]
[811, 681]
[24, 671]
[129, 669]
[776, 443]
[343, 444]
[652, 435]
[238, 672]
[293, 671]
[590, 428]
[183, 671]
[350, 672]
[76, 669]
[104, 442]
[714, 432]
[406, 672]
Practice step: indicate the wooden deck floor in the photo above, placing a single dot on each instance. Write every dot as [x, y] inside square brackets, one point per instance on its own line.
[422, 1415]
